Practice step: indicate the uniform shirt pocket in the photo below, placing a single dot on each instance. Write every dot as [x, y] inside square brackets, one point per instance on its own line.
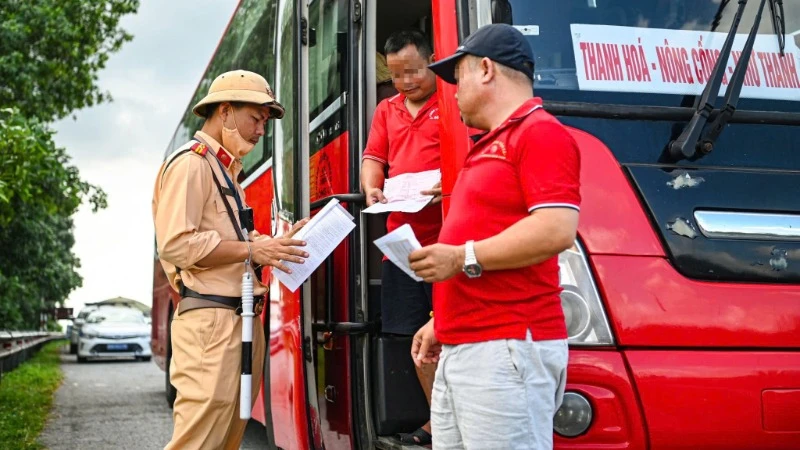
[223, 223]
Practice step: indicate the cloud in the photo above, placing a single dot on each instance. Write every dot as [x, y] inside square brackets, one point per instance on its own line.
[151, 80]
[120, 145]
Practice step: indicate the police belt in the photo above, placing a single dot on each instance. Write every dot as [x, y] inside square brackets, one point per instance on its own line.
[233, 302]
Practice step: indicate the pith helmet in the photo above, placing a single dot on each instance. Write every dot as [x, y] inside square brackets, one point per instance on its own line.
[240, 86]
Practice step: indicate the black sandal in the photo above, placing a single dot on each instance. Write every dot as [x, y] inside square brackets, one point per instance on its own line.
[418, 437]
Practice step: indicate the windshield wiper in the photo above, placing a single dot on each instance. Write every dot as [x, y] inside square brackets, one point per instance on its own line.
[686, 144]
[718, 15]
[778, 22]
[710, 135]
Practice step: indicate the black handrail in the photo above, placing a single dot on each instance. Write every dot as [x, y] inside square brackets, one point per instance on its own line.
[348, 328]
[355, 197]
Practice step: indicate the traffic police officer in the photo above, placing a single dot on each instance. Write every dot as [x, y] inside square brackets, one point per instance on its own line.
[206, 240]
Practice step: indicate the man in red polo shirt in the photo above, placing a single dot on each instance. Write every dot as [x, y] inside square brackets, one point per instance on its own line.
[405, 137]
[498, 331]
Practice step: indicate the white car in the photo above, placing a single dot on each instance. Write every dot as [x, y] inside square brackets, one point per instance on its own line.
[74, 332]
[114, 332]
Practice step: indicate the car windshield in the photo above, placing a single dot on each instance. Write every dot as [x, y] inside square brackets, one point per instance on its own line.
[116, 315]
[615, 50]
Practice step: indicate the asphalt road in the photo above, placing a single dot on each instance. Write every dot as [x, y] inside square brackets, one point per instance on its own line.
[116, 405]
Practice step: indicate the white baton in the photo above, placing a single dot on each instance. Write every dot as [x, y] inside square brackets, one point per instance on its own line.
[247, 344]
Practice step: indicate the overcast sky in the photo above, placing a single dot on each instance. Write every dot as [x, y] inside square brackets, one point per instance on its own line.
[119, 145]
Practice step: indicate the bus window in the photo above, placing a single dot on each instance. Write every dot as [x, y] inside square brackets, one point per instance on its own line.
[327, 84]
[248, 44]
[285, 89]
[654, 27]
[327, 71]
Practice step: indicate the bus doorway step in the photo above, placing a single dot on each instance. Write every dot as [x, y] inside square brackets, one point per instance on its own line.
[392, 443]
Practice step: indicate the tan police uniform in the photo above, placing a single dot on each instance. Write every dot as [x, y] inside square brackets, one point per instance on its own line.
[191, 219]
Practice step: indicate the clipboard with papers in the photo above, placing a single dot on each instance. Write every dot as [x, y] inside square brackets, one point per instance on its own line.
[323, 233]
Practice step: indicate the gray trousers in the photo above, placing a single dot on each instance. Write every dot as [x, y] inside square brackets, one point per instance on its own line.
[499, 394]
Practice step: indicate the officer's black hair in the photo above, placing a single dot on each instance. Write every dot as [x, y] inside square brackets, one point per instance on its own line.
[400, 39]
[212, 108]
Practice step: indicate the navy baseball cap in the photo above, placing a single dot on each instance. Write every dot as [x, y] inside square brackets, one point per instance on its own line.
[499, 42]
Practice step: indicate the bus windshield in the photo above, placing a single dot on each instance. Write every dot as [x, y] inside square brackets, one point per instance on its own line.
[618, 51]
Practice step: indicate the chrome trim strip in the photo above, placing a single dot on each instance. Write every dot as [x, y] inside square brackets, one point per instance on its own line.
[262, 169]
[748, 225]
[329, 111]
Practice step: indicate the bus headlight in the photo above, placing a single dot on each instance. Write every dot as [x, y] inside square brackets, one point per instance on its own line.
[583, 311]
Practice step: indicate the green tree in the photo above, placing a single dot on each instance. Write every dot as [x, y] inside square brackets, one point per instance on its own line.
[40, 192]
[50, 54]
[52, 50]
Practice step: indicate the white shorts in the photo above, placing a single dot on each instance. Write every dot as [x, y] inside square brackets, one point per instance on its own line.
[499, 394]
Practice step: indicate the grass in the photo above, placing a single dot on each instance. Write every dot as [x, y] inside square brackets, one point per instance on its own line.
[26, 396]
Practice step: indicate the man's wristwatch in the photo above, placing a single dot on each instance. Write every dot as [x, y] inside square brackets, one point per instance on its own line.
[471, 267]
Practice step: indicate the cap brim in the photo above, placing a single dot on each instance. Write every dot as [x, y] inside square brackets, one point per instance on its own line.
[259, 98]
[446, 68]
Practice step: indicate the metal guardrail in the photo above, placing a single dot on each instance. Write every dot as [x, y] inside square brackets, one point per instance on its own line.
[17, 347]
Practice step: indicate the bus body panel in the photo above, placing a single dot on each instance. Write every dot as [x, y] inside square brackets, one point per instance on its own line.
[617, 422]
[612, 220]
[731, 400]
[287, 383]
[651, 305]
[453, 132]
[163, 298]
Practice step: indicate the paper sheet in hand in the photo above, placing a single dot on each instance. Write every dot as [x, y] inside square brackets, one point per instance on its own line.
[322, 234]
[397, 245]
[403, 192]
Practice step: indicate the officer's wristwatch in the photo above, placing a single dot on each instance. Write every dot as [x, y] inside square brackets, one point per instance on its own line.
[471, 267]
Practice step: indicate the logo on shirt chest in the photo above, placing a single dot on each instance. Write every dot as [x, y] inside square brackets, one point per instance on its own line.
[495, 150]
[434, 114]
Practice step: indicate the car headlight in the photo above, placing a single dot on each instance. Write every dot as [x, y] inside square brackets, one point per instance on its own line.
[583, 311]
[88, 334]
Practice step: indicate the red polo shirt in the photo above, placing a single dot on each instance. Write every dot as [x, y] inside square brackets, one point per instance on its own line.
[407, 145]
[528, 162]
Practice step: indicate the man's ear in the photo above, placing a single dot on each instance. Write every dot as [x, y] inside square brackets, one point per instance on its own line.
[488, 69]
[224, 109]
[432, 58]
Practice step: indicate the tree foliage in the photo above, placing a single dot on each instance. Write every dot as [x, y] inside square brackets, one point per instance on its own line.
[40, 192]
[50, 54]
[52, 50]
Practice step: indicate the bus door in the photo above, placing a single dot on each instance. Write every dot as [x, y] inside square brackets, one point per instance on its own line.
[314, 163]
[331, 172]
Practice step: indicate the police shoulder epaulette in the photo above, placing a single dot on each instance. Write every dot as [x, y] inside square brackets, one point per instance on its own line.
[200, 149]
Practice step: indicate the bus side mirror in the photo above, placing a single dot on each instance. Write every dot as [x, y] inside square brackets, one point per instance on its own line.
[501, 12]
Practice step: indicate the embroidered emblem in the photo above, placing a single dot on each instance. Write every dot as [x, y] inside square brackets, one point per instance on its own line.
[200, 149]
[496, 149]
[434, 114]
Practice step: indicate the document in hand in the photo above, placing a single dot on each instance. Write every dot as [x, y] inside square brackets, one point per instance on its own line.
[403, 192]
[323, 233]
[397, 245]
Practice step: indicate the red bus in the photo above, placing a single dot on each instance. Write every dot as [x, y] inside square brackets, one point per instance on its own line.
[681, 293]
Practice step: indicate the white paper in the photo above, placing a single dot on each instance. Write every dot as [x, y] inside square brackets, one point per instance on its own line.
[323, 233]
[397, 245]
[662, 61]
[403, 192]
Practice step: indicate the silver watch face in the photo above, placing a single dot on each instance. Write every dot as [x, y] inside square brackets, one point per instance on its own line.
[473, 270]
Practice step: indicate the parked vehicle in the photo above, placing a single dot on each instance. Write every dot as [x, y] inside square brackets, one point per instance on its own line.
[682, 293]
[114, 331]
[75, 330]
